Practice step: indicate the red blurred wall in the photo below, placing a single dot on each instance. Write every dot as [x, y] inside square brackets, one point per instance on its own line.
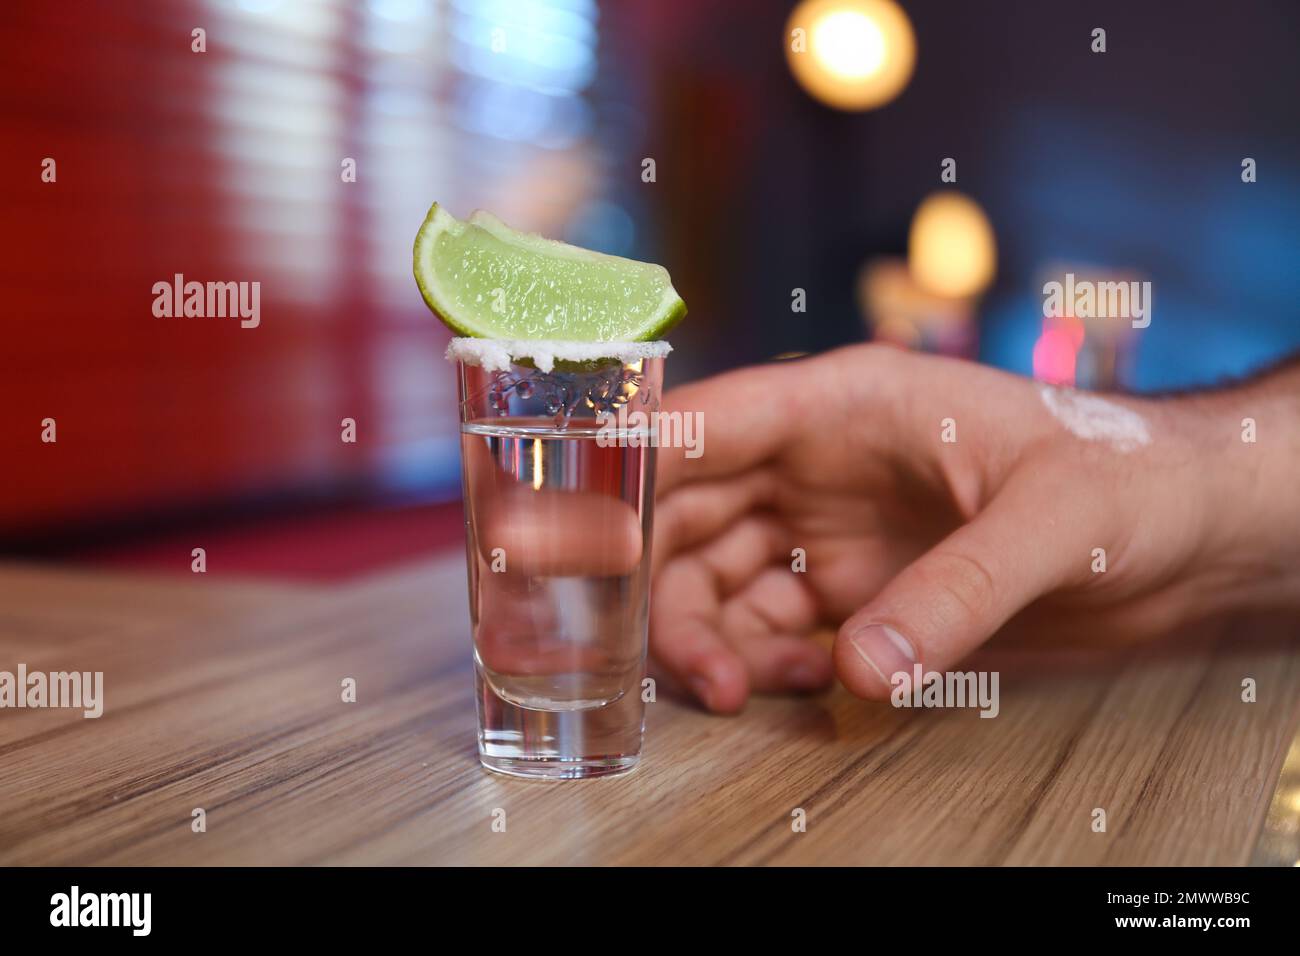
[223, 166]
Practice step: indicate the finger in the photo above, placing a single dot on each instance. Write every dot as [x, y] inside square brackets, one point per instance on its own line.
[686, 605]
[746, 417]
[957, 594]
[557, 533]
[776, 600]
[525, 530]
[696, 513]
[753, 414]
[780, 663]
[523, 631]
[737, 556]
[768, 624]
[685, 639]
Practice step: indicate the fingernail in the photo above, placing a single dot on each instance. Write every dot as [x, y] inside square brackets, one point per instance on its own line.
[701, 687]
[885, 650]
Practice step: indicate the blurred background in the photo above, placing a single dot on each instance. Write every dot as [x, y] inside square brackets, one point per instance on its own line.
[798, 151]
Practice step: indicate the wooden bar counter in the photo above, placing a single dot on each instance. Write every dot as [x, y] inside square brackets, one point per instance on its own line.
[226, 696]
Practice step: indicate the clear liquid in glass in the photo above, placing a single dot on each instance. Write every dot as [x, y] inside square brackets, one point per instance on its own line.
[559, 526]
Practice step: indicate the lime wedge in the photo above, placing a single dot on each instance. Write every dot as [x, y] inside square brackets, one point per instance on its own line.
[485, 280]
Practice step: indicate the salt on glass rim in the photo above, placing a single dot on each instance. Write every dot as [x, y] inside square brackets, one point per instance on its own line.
[495, 355]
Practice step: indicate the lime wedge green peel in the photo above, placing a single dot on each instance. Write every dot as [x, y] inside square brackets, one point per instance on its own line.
[484, 279]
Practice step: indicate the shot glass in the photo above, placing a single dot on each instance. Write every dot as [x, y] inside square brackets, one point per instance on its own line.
[558, 470]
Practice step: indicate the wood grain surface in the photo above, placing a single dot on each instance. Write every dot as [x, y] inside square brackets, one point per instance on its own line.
[226, 696]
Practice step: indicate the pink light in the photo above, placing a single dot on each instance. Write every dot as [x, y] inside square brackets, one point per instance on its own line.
[1055, 353]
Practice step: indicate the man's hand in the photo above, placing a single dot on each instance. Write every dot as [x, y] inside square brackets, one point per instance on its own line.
[919, 549]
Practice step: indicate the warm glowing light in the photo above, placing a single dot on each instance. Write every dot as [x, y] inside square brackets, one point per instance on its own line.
[849, 44]
[898, 329]
[539, 471]
[851, 54]
[951, 248]
[898, 310]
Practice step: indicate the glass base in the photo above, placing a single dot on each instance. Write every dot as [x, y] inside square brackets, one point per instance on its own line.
[558, 744]
[545, 768]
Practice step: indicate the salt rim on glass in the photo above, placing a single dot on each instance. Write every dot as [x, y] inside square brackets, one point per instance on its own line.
[496, 355]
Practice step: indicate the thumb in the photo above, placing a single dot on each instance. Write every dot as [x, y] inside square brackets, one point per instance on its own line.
[955, 596]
